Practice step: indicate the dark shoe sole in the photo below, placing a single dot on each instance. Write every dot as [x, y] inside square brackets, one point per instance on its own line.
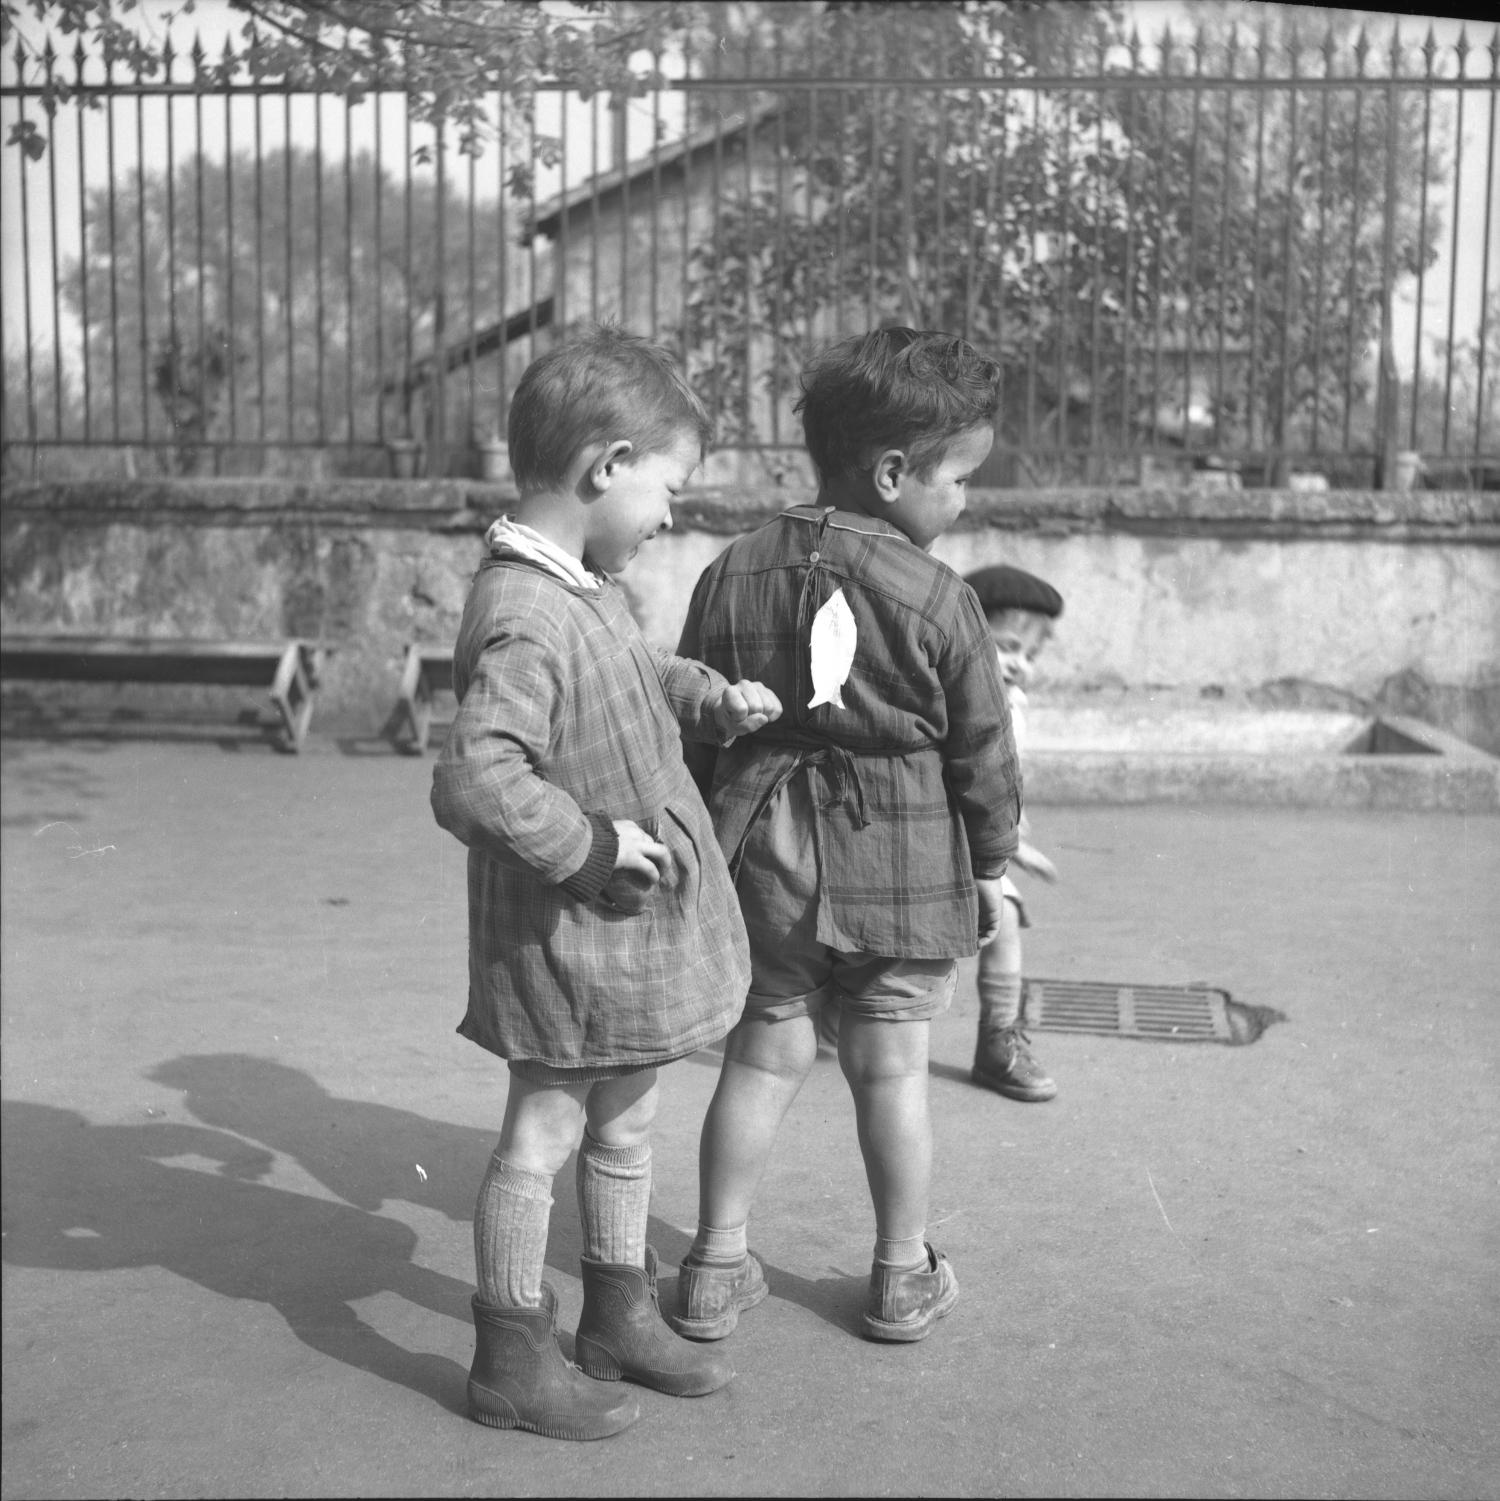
[601, 1366]
[500, 1414]
[1031, 1094]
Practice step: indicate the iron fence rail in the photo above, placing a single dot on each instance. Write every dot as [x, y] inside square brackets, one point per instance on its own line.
[1167, 261]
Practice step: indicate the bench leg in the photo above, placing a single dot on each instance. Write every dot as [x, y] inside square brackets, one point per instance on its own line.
[292, 693]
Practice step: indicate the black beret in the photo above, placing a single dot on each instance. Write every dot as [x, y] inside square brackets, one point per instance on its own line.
[1004, 588]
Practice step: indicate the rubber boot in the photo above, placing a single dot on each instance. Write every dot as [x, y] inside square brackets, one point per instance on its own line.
[622, 1334]
[520, 1378]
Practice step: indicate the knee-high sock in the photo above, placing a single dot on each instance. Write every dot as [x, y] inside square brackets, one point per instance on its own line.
[614, 1200]
[999, 995]
[510, 1235]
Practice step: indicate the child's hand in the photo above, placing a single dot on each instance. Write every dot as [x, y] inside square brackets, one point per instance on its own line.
[641, 865]
[1030, 859]
[991, 905]
[744, 707]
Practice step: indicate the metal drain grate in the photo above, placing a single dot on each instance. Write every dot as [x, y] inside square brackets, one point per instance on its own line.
[1166, 1013]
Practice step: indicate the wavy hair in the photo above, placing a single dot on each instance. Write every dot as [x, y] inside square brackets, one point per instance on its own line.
[904, 388]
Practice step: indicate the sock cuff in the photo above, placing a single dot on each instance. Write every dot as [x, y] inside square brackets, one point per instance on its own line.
[904, 1253]
[520, 1182]
[602, 1156]
[724, 1243]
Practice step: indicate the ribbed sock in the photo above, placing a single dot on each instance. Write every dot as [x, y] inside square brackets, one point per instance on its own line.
[906, 1255]
[999, 999]
[614, 1201]
[715, 1246]
[510, 1235]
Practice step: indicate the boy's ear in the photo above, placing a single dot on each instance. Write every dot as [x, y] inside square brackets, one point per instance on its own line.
[888, 472]
[607, 460]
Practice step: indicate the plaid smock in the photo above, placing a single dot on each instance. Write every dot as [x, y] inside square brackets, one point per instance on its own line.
[566, 711]
[916, 784]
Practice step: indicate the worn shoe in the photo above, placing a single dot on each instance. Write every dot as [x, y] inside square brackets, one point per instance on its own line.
[621, 1334]
[1003, 1062]
[710, 1299]
[903, 1306]
[520, 1378]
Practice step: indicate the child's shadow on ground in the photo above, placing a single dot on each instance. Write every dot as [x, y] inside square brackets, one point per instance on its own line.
[92, 1198]
[189, 1198]
[368, 1153]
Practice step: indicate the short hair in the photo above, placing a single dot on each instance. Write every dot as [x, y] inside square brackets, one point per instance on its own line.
[1005, 588]
[894, 388]
[603, 385]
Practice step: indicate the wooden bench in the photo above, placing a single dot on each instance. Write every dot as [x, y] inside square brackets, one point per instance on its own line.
[427, 670]
[289, 670]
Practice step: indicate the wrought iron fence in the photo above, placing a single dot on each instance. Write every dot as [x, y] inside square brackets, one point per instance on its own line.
[1249, 256]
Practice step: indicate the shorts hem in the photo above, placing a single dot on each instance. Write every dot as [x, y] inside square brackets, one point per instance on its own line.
[923, 1006]
[535, 1071]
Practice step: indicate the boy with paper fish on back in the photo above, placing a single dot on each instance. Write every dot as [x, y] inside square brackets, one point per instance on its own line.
[868, 829]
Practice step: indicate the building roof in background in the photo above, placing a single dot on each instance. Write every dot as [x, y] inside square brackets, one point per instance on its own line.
[671, 155]
[483, 341]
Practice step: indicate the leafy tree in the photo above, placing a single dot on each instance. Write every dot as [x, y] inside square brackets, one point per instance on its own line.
[450, 56]
[276, 312]
[1447, 410]
[1282, 249]
[1115, 248]
[906, 204]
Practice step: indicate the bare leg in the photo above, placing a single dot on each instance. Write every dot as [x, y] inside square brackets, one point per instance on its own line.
[765, 1063]
[886, 1066]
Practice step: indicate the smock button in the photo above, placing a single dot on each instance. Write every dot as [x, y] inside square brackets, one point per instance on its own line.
[812, 557]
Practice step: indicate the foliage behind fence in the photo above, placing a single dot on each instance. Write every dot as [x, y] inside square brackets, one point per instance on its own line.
[1203, 257]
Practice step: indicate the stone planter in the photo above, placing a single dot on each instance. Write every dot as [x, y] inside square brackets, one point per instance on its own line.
[494, 460]
[406, 457]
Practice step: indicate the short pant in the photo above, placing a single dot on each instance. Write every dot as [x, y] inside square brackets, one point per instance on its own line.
[791, 972]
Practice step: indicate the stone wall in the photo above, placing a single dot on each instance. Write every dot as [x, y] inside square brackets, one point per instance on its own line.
[1317, 599]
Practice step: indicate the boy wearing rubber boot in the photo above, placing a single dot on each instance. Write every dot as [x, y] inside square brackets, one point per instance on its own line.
[604, 936]
[869, 828]
[1021, 610]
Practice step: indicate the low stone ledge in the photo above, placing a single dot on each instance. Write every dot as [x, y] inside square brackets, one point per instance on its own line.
[1426, 515]
[470, 505]
[440, 505]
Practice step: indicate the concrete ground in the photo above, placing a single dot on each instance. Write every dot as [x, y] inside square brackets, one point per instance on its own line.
[242, 1140]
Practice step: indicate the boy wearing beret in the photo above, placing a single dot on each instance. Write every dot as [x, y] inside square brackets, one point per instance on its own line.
[1021, 610]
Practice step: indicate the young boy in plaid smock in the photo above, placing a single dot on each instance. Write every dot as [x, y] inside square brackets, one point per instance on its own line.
[869, 828]
[604, 936]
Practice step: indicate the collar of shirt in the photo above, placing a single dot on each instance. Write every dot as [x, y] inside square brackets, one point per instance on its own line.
[507, 536]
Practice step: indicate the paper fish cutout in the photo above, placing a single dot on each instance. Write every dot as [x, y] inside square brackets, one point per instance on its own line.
[832, 650]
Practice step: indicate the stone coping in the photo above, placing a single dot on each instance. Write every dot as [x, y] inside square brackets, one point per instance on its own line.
[1413, 782]
[1435, 770]
[469, 505]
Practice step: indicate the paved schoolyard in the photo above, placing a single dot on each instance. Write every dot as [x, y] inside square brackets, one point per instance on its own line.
[241, 1143]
